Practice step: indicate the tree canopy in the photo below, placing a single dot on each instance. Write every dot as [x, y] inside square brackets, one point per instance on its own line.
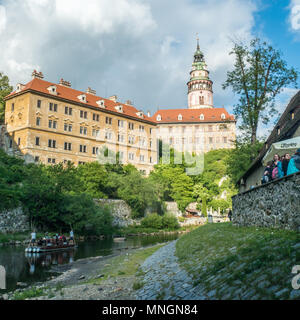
[5, 89]
[259, 75]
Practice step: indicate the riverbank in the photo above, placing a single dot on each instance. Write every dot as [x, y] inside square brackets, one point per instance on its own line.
[109, 277]
[24, 238]
[213, 262]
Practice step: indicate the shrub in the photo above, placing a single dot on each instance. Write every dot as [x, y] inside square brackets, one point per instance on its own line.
[152, 221]
[169, 221]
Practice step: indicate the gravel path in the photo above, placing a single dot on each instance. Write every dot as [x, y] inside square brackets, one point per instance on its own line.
[164, 279]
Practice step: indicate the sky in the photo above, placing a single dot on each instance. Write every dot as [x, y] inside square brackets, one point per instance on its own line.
[141, 50]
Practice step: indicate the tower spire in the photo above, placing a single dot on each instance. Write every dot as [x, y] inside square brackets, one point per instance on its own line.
[198, 46]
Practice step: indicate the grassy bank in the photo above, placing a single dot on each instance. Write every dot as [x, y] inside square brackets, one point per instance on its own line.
[19, 236]
[241, 262]
[126, 265]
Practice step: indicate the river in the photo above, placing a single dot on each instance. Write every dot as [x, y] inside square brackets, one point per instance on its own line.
[35, 267]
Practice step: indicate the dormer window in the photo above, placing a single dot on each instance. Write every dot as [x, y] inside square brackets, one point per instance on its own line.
[140, 114]
[52, 89]
[100, 103]
[158, 118]
[82, 98]
[201, 116]
[20, 87]
[180, 117]
[119, 108]
[223, 117]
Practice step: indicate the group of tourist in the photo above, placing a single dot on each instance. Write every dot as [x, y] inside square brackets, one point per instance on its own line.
[57, 240]
[281, 166]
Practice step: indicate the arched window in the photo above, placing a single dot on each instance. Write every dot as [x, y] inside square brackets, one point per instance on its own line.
[180, 117]
[158, 118]
[201, 116]
[223, 117]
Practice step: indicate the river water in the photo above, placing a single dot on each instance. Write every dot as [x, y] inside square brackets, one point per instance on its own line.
[35, 267]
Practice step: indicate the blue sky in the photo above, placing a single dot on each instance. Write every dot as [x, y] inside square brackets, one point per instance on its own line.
[141, 50]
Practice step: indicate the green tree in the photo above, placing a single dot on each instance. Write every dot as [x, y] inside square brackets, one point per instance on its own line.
[241, 158]
[258, 76]
[5, 89]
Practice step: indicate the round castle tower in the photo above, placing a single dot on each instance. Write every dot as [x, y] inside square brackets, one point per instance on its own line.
[200, 94]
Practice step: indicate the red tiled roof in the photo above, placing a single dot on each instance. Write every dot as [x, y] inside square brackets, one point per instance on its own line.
[70, 94]
[192, 115]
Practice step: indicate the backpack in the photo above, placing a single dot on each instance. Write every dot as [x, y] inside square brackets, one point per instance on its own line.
[275, 173]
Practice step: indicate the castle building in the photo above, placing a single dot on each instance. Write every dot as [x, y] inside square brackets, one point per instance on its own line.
[200, 127]
[51, 123]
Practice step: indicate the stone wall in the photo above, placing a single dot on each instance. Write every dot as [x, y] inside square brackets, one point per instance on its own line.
[13, 220]
[120, 210]
[172, 207]
[275, 204]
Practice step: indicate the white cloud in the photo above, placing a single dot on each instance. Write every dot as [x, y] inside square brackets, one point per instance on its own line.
[295, 14]
[2, 18]
[140, 50]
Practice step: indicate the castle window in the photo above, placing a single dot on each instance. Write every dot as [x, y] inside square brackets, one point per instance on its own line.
[201, 100]
[51, 143]
[38, 121]
[130, 126]
[37, 141]
[225, 139]
[83, 130]
[95, 117]
[39, 102]
[96, 133]
[180, 117]
[95, 150]
[158, 118]
[82, 148]
[108, 120]
[68, 146]
[201, 116]
[68, 111]
[83, 114]
[36, 159]
[121, 123]
[223, 117]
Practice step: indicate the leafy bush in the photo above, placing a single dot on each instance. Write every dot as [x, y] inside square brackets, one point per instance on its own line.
[169, 221]
[152, 221]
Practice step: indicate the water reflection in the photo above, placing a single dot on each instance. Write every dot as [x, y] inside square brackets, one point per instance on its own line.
[34, 267]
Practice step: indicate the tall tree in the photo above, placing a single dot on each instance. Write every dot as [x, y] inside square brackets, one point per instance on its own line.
[5, 89]
[258, 76]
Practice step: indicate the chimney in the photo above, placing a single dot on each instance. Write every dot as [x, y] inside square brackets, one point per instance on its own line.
[91, 91]
[148, 114]
[65, 83]
[113, 98]
[36, 74]
[129, 102]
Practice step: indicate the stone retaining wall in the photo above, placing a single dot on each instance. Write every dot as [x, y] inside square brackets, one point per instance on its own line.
[275, 204]
[13, 220]
[120, 210]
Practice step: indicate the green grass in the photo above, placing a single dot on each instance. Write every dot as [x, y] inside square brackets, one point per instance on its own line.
[19, 236]
[30, 293]
[220, 256]
[125, 265]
